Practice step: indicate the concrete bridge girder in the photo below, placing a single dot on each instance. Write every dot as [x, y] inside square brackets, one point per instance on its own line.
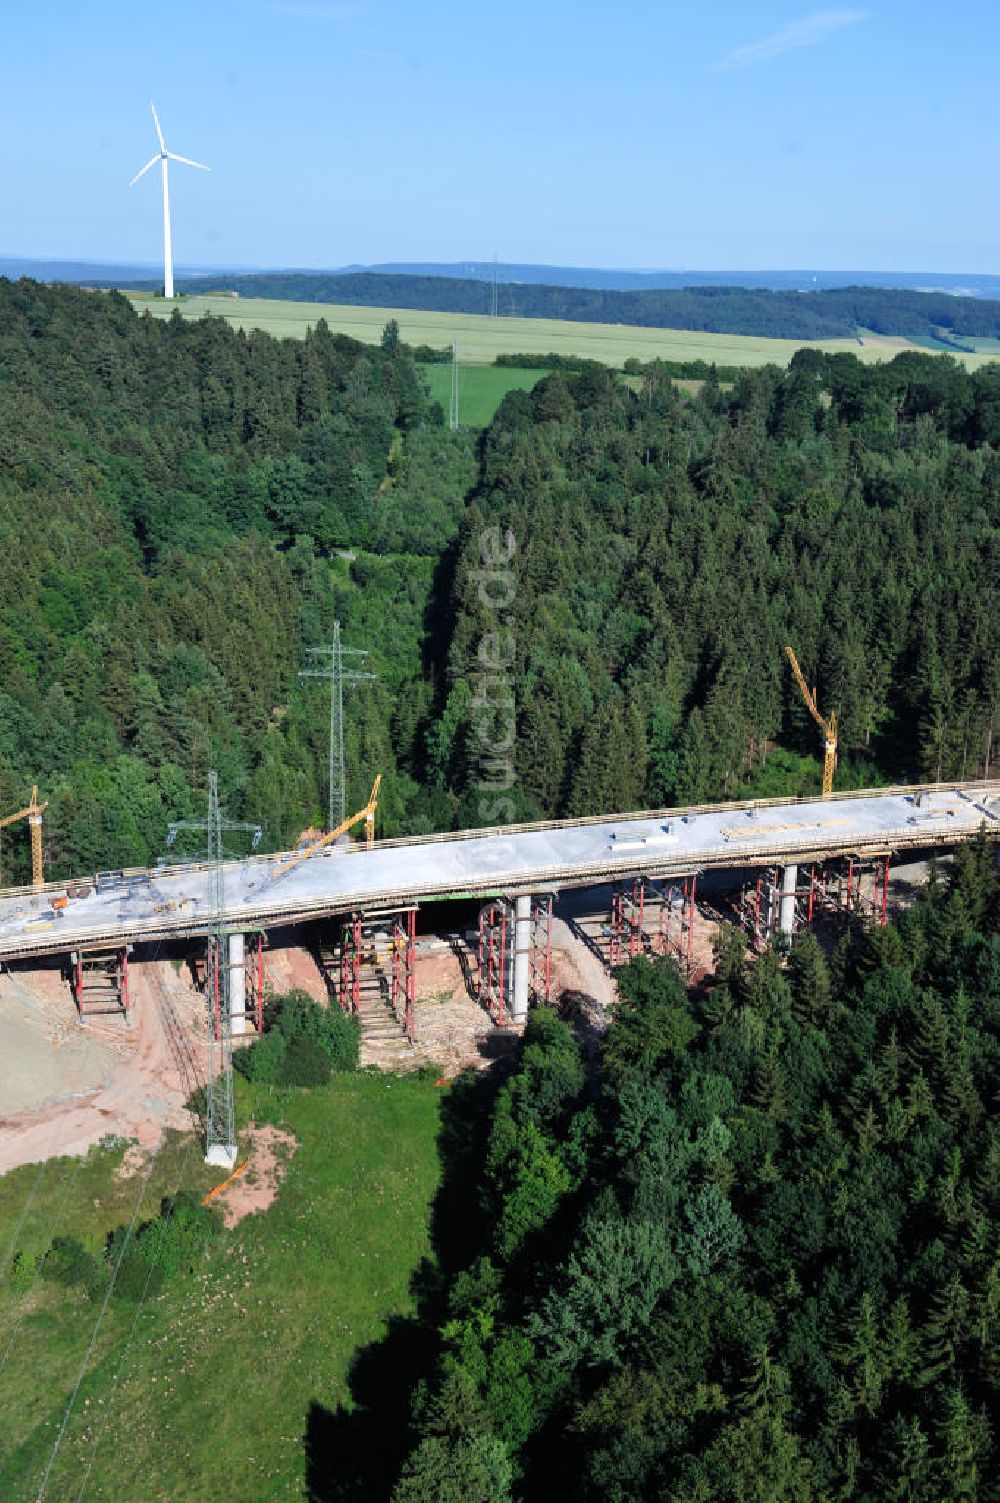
[136, 906]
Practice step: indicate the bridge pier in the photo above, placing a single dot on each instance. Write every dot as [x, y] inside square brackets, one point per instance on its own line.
[237, 984]
[515, 957]
[522, 960]
[786, 907]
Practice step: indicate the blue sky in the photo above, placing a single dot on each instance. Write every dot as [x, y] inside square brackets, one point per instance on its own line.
[644, 133]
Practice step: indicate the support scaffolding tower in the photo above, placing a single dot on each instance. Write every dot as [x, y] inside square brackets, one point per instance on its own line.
[496, 958]
[862, 886]
[376, 979]
[675, 929]
[255, 979]
[852, 887]
[626, 933]
[540, 958]
[760, 906]
[351, 942]
[100, 982]
[498, 955]
[403, 970]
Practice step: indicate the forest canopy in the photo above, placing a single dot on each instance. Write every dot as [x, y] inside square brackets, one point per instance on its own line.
[188, 508]
[751, 1253]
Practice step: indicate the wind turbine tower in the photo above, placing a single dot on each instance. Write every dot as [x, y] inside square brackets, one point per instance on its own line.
[163, 156]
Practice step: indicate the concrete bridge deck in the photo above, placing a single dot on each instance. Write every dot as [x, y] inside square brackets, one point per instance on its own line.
[173, 901]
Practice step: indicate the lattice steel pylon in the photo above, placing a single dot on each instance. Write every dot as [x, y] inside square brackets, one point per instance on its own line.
[453, 416]
[337, 674]
[220, 1114]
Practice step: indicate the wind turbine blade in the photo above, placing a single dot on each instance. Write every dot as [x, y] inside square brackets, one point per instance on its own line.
[151, 163]
[187, 161]
[156, 122]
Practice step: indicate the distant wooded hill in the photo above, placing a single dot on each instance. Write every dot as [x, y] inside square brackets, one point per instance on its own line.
[835, 313]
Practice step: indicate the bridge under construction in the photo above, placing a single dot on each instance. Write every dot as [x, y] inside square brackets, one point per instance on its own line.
[115, 908]
[794, 858]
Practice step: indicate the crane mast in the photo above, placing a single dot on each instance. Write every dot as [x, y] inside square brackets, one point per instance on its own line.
[367, 814]
[828, 725]
[32, 812]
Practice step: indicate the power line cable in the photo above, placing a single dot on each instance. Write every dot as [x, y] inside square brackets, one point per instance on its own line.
[55, 1226]
[19, 1227]
[95, 1333]
[27, 1205]
[109, 1405]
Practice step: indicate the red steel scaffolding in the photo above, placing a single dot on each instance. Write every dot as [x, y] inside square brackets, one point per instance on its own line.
[675, 930]
[496, 935]
[377, 967]
[100, 982]
[759, 905]
[254, 1005]
[627, 936]
[349, 994]
[851, 886]
[497, 927]
[403, 970]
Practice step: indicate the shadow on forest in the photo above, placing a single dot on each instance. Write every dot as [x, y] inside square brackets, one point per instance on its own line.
[354, 1455]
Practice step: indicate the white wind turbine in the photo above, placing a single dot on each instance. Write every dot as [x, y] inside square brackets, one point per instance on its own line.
[163, 156]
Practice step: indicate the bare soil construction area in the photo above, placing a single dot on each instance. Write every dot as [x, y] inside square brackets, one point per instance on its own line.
[267, 1152]
[66, 1085]
[451, 1029]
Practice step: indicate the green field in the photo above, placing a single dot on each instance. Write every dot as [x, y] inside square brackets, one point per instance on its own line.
[228, 1369]
[481, 389]
[480, 339]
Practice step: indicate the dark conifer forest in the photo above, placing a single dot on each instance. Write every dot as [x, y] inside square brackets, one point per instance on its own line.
[749, 1256]
[186, 509]
[741, 1248]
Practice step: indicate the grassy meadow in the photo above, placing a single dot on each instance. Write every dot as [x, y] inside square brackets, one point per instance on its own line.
[235, 1375]
[480, 338]
[481, 389]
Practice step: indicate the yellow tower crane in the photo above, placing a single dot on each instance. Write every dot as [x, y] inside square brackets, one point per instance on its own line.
[33, 814]
[828, 726]
[304, 852]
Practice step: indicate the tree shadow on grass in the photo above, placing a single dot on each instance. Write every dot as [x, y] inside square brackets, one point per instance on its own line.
[354, 1455]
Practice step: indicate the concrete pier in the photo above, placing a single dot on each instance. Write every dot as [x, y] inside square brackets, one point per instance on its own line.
[786, 907]
[522, 956]
[237, 984]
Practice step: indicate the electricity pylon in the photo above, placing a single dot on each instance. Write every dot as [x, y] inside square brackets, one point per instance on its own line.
[337, 675]
[453, 420]
[220, 1115]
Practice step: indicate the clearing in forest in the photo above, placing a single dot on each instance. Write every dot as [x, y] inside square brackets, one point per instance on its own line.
[230, 1367]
